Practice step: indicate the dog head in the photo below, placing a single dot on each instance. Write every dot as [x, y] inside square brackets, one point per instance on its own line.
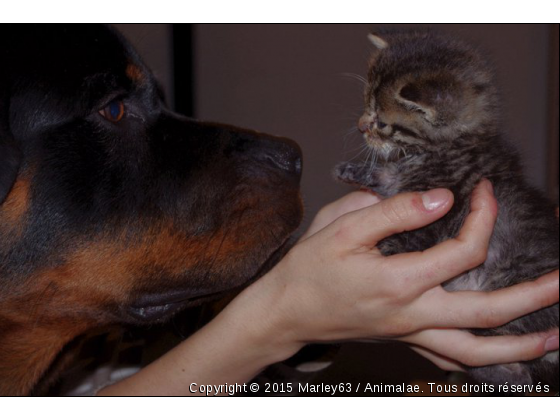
[112, 207]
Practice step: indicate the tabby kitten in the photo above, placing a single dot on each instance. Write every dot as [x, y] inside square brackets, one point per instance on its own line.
[431, 120]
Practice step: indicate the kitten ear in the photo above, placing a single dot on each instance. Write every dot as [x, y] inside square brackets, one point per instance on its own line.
[377, 41]
[433, 97]
[411, 93]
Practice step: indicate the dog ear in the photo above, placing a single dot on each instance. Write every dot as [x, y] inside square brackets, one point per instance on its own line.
[10, 155]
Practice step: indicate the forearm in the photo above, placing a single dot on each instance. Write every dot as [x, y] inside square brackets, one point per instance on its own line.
[243, 340]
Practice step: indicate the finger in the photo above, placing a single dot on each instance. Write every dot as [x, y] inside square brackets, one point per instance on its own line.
[472, 350]
[455, 256]
[356, 200]
[407, 211]
[491, 309]
[444, 363]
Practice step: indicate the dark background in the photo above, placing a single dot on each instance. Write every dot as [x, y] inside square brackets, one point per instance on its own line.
[290, 80]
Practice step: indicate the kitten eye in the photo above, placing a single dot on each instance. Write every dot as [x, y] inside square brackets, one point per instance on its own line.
[114, 111]
[381, 125]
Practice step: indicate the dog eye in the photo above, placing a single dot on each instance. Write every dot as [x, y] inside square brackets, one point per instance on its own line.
[114, 111]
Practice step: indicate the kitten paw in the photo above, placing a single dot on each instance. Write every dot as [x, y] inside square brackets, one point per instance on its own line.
[353, 174]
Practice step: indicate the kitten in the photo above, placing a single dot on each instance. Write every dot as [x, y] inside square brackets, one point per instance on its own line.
[431, 120]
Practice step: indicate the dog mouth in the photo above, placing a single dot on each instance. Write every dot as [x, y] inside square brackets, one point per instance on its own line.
[159, 307]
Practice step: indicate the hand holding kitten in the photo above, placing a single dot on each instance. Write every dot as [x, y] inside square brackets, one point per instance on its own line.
[400, 297]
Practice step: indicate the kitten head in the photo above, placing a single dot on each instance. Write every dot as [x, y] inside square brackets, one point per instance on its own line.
[423, 92]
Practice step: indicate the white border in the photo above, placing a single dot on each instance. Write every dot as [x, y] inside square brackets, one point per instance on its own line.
[296, 11]
[277, 408]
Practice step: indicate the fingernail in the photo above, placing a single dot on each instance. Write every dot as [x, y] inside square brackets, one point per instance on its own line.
[434, 199]
[488, 185]
[551, 344]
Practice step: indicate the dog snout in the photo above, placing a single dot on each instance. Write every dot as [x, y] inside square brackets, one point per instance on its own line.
[282, 154]
[262, 151]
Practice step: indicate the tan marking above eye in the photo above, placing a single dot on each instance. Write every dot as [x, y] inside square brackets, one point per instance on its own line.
[134, 73]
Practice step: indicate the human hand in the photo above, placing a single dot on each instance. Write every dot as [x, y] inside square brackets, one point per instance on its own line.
[335, 285]
[356, 200]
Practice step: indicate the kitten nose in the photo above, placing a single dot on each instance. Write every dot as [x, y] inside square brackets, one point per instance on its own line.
[365, 123]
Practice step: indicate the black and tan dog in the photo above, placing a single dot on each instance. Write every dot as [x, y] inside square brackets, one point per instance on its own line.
[112, 208]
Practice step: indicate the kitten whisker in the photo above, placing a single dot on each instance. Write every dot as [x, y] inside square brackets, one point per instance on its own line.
[363, 149]
[355, 76]
[347, 138]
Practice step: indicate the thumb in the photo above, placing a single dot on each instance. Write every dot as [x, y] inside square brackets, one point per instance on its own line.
[351, 202]
[404, 212]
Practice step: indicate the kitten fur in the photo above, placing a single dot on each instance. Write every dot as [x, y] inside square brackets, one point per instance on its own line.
[431, 120]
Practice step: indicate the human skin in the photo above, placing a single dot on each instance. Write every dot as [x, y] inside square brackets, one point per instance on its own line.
[334, 286]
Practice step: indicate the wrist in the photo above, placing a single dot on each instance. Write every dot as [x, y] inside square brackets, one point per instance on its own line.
[261, 315]
[251, 333]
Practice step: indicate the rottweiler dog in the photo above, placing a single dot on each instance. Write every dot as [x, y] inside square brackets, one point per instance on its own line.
[113, 209]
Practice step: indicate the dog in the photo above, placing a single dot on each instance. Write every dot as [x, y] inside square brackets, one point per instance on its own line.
[113, 209]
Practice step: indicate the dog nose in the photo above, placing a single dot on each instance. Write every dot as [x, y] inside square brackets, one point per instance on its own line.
[268, 152]
[281, 153]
